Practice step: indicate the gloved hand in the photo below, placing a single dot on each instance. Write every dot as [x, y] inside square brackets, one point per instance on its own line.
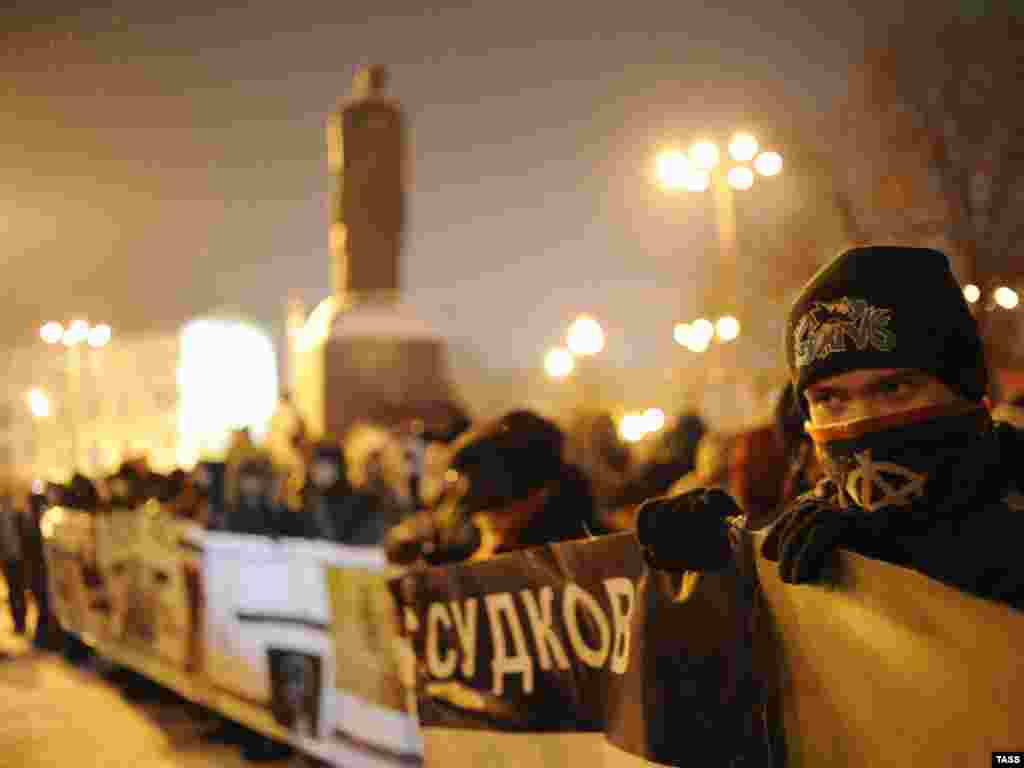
[438, 542]
[687, 532]
[802, 540]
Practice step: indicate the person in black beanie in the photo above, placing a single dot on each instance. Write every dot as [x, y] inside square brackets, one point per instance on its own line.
[889, 372]
[508, 488]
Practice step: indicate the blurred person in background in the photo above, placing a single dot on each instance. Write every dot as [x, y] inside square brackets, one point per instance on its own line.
[82, 494]
[290, 449]
[180, 497]
[208, 482]
[47, 634]
[594, 445]
[674, 458]
[436, 455]
[240, 448]
[252, 499]
[133, 484]
[712, 465]
[325, 492]
[13, 563]
[712, 462]
[757, 474]
[508, 487]
[414, 446]
[379, 477]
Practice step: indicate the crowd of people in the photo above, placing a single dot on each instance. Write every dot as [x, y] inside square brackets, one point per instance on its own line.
[885, 441]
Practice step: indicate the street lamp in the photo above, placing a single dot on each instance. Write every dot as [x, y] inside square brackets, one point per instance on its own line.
[99, 336]
[768, 163]
[702, 167]
[558, 363]
[743, 147]
[51, 333]
[586, 337]
[38, 403]
[726, 172]
[78, 332]
[635, 426]
[1005, 297]
[727, 328]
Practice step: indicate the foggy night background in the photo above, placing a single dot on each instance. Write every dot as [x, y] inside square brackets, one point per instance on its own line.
[166, 159]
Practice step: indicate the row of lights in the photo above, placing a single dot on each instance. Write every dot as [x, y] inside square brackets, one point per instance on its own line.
[1005, 297]
[76, 333]
[691, 170]
[698, 335]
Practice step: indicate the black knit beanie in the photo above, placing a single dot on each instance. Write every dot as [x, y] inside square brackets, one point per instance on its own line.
[885, 307]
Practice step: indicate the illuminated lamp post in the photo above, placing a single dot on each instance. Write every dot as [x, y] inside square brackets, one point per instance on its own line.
[698, 169]
[77, 333]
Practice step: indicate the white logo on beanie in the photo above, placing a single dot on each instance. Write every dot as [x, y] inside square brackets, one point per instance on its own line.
[830, 327]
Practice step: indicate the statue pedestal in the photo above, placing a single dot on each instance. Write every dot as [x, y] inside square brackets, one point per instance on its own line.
[371, 359]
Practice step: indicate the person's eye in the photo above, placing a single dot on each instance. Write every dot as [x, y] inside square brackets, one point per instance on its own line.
[827, 399]
[900, 388]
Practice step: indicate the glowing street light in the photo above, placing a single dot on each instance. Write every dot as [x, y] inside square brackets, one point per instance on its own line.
[633, 427]
[673, 169]
[972, 293]
[743, 147]
[76, 333]
[654, 419]
[696, 169]
[38, 403]
[1006, 298]
[728, 328]
[768, 163]
[704, 155]
[740, 177]
[681, 333]
[99, 336]
[703, 330]
[52, 332]
[695, 336]
[558, 363]
[697, 180]
[586, 337]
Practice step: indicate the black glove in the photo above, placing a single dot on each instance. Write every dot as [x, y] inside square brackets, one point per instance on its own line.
[424, 538]
[803, 538]
[688, 532]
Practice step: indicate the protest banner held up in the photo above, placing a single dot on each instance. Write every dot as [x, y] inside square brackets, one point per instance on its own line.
[578, 651]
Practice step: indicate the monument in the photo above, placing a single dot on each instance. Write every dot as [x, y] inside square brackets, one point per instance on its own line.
[363, 353]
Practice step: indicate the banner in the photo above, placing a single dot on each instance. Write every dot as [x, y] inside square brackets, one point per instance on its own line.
[884, 666]
[304, 633]
[295, 639]
[77, 593]
[144, 557]
[578, 652]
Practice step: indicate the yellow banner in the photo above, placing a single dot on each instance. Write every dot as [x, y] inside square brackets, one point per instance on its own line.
[365, 636]
[888, 667]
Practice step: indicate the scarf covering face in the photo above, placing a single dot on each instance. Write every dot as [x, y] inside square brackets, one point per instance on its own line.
[902, 460]
[939, 465]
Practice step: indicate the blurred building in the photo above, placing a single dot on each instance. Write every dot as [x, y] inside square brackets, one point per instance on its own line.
[171, 396]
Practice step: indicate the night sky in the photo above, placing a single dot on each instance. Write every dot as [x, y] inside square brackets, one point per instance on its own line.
[161, 160]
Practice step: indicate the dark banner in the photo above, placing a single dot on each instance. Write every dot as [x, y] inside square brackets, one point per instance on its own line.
[546, 646]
